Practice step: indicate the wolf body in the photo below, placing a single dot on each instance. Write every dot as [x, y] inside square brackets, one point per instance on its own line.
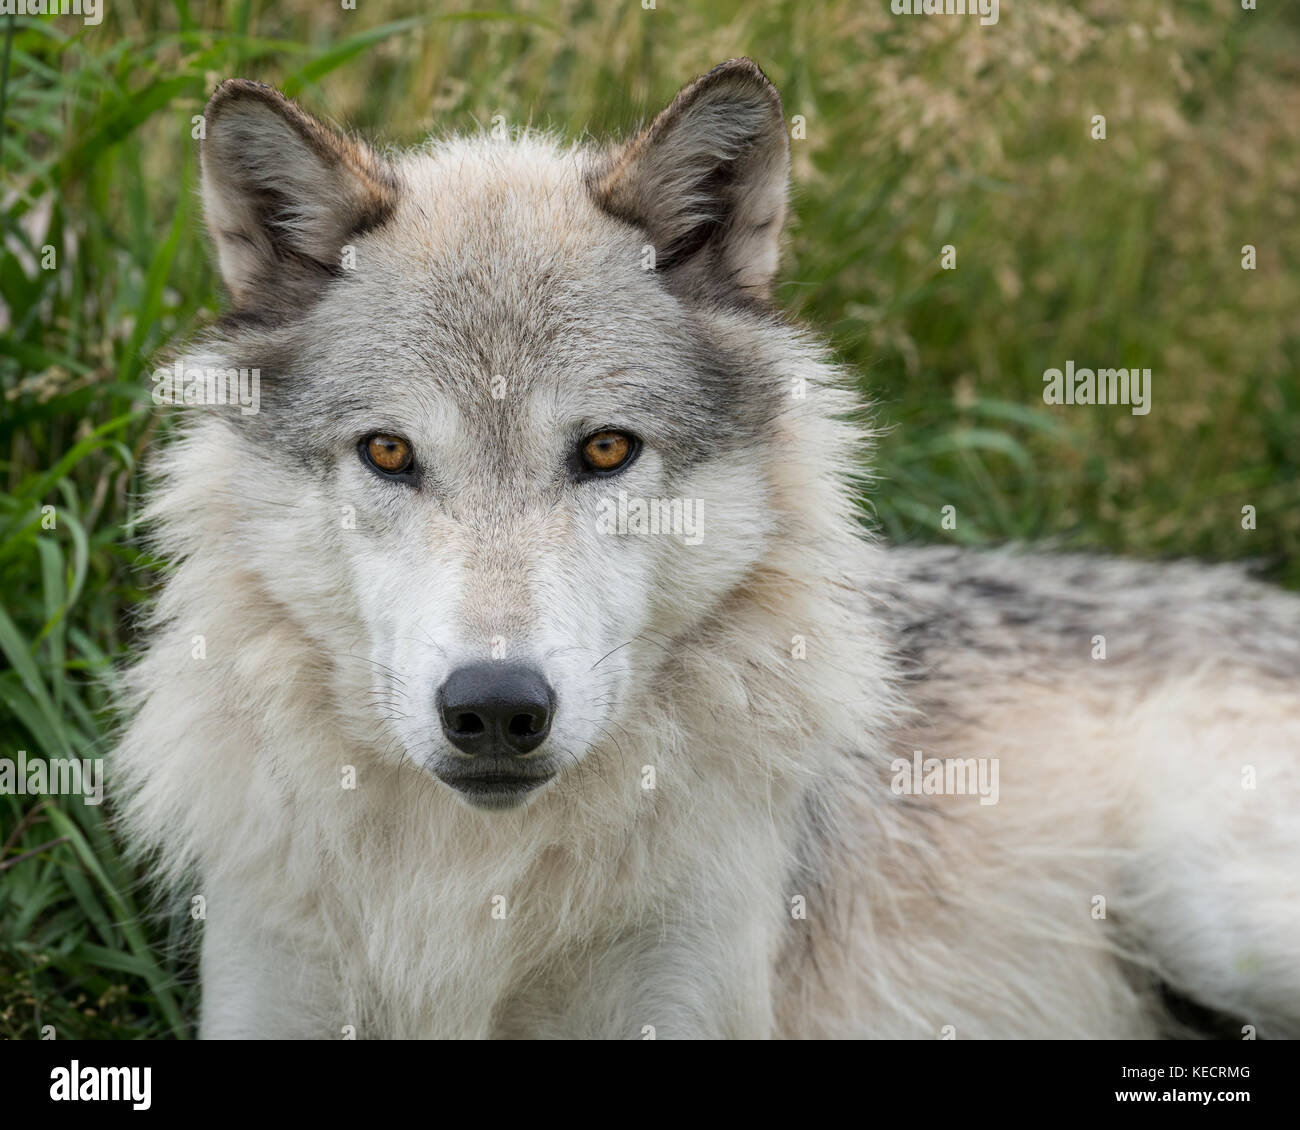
[725, 844]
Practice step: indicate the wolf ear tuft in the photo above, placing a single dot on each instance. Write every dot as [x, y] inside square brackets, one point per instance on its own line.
[283, 194]
[708, 181]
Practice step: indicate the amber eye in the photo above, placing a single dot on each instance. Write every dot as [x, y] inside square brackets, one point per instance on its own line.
[608, 451]
[390, 455]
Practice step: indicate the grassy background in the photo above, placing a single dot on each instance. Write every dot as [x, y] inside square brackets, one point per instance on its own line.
[920, 132]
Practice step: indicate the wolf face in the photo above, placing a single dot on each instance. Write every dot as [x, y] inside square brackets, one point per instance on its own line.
[515, 398]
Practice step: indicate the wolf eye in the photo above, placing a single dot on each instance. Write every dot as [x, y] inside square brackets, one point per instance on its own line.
[607, 451]
[389, 455]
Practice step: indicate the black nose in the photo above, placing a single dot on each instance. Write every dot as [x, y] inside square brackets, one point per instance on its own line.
[496, 709]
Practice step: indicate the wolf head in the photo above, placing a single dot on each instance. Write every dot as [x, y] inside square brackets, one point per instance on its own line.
[519, 414]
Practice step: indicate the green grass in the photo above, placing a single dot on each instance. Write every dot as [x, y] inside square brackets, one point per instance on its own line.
[919, 133]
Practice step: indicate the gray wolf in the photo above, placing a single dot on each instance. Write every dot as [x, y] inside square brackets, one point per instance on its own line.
[445, 746]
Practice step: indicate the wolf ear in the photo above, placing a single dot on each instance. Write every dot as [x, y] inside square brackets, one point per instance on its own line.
[283, 194]
[707, 181]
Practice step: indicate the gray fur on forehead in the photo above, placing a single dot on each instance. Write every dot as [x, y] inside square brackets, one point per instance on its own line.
[518, 259]
[688, 381]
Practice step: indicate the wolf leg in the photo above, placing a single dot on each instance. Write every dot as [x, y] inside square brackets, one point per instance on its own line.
[1216, 878]
[256, 988]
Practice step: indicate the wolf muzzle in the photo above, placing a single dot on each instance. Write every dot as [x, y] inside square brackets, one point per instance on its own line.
[496, 714]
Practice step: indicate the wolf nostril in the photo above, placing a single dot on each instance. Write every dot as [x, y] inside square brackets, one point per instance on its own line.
[469, 724]
[522, 725]
[496, 709]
